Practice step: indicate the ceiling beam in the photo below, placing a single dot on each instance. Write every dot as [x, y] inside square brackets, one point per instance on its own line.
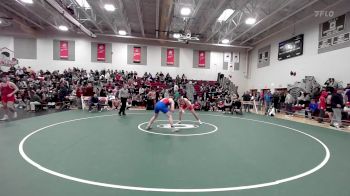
[37, 15]
[281, 20]
[233, 23]
[139, 14]
[21, 15]
[198, 6]
[231, 20]
[169, 18]
[125, 19]
[69, 17]
[297, 22]
[241, 12]
[88, 17]
[214, 14]
[157, 18]
[165, 12]
[95, 4]
[263, 19]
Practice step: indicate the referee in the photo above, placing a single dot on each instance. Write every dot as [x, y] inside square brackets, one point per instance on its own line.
[123, 96]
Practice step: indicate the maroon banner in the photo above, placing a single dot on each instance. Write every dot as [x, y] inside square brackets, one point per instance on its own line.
[201, 59]
[170, 53]
[137, 55]
[101, 52]
[64, 49]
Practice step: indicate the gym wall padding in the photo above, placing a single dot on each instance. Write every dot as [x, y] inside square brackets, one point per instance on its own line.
[25, 48]
[264, 61]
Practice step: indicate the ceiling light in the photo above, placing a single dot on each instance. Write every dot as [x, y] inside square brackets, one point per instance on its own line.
[27, 1]
[176, 35]
[0, 21]
[225, 41]
[83, 3]
[122, 32]
[225, 15]
[185, 11]
[63, 28]
[250, 21]
[109, 7]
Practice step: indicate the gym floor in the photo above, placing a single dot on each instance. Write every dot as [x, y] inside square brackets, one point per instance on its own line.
[79, 153]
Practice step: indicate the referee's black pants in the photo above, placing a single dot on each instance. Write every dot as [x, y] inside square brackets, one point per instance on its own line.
[122, 108]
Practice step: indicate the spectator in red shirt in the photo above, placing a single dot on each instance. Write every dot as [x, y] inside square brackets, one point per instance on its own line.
[78, 93]
[89, 91]
[109, 85]
[322, 105]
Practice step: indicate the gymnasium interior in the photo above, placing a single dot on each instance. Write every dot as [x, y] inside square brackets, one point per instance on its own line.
[174, 97]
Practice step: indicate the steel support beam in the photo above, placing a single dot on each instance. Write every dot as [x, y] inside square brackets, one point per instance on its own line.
[139, 15]
[297, 22]
[21, 15]
[198, 6]
[37, 15]
[70, 18]
[281, 20]
[214, 14]
[95, 4]
[263, 19]
[157, 17]
[88, 17]
[164, 19]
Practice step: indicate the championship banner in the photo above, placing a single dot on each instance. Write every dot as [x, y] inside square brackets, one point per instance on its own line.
[137, 55]
[236, 57]
[170, 53]
[64, 49]
[201, 59]
[227, 57]
[101, 52]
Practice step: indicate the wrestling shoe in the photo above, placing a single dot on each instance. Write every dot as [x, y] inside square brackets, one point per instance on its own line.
[173, 129]
[5, 118]
[15, 115]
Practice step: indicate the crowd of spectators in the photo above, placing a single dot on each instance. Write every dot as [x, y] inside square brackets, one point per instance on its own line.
[333, 103]
[64, 89]
[57, 88]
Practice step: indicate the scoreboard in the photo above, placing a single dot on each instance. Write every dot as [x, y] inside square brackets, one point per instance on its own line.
[291, 48]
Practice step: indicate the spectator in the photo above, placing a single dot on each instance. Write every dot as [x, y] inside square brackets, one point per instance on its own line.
[276, 98]
[289, 100]
[313, 109]
[228, 104]
[267, 101]
[103, 92]
[246, 98]
[78, 94]
[89, 90]
[94, 102]
[322, 106]
[34, 100]
[337, 104]
[347, 93]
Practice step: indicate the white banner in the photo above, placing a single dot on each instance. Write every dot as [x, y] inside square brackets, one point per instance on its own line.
[236, 57]
[227, 57]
